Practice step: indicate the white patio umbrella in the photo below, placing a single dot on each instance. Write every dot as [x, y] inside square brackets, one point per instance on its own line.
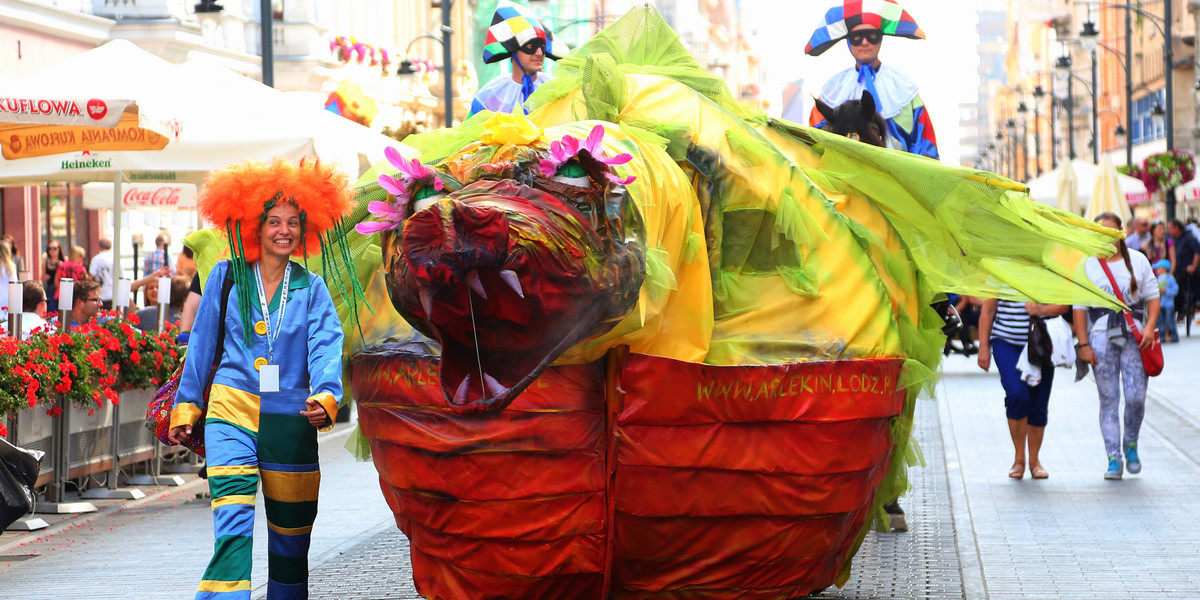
[191, 118]
[1108, 195]
[1068, 189]
[1045, 189]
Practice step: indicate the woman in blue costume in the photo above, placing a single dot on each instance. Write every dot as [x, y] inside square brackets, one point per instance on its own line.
[278, 376]
[518, 35]
[864, 24]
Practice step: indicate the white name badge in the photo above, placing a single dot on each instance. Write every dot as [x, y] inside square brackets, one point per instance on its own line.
[268, 378]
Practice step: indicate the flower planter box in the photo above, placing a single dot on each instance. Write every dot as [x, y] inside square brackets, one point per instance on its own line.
[90, 445]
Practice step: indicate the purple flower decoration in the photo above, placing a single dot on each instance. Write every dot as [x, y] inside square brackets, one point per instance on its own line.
[392, 215]
[568, 148]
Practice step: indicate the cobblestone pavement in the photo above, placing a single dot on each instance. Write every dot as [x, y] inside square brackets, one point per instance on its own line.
[922, 563]
[1075, 535]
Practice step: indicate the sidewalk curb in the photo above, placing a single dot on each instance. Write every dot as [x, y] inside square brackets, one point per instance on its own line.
[970, 563]
[72, 523]
[325, 436]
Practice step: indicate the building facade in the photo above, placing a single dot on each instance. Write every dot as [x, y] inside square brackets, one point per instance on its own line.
[1042, 37]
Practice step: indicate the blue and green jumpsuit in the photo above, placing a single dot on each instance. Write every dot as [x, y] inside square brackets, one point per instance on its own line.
[251, 436]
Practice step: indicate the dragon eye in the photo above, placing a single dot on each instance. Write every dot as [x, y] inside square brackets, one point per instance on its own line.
[426, 197]
[572, 173]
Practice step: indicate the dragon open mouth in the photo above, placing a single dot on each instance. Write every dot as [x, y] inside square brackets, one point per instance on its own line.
[506, 278]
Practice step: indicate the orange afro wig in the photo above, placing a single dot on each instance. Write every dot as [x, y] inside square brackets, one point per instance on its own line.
[236, 198]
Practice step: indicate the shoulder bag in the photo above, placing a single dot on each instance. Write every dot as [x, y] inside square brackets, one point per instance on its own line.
[158, 412]
[1152, 357]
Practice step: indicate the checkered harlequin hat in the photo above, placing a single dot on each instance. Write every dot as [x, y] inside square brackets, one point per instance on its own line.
[513, 27]
[839, 20]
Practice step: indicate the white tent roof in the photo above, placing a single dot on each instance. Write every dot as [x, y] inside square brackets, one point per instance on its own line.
[1044, 189]
[210, 115]
[1188, 192]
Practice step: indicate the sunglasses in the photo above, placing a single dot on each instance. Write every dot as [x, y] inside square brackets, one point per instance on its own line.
[871, 36]
[532, 46]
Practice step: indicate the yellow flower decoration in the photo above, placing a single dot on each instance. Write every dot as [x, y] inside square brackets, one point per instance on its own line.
[505, 128]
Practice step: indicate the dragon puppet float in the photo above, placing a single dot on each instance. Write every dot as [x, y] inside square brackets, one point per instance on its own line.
[649, 343]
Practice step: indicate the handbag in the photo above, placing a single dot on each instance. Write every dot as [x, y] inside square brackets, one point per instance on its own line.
[1039, 345]
[1152, 357]
[158, 412]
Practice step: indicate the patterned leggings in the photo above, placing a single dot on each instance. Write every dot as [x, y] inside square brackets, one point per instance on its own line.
[1117, 365]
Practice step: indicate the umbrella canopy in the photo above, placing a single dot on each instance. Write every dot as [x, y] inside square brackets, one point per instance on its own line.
[1068, 189]
[1108, 195]
[189, 119]
[1188, 192]
[1045, 189]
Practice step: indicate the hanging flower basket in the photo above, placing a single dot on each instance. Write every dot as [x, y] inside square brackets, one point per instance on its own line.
[1165, 170]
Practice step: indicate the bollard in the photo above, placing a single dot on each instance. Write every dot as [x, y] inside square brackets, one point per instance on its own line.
[156, 476]
[16, 306]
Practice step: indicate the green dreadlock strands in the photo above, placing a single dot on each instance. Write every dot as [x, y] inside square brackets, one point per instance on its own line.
[344, 244]
[326, 258]
[242, 281]
[330, 250]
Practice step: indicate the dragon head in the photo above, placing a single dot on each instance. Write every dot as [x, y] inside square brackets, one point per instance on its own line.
[508, 255]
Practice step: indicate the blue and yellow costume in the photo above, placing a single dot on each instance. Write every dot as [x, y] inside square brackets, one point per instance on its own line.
[251, 437]
[254, 429]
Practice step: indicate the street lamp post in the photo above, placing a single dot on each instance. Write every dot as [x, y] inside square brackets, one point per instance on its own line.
[447, 66]
[1023, 111]
[1014, 164]
[1000, 154]
[1062, 67]
[1038, 94]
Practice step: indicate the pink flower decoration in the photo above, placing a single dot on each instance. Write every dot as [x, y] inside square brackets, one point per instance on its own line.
[410, 172]
[568, 148]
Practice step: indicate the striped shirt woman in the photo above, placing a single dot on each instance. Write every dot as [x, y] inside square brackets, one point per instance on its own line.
[1012, 322]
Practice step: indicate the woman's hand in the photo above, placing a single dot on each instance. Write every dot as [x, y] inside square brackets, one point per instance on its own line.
[180, 434]
[1086, 355]
[1147, 340]
[984, 358]
[315, 414]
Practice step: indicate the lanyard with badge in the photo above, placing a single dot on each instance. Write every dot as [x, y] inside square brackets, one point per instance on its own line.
[268, 372]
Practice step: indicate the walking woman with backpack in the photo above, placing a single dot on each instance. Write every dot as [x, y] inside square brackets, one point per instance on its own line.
[1107, 342]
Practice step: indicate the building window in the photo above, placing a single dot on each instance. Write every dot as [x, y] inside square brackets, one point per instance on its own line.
[1143, 129]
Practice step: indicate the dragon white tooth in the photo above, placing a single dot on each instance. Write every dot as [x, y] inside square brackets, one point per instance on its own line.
[493, 387]
[510, 278]
[475, 284]
[460, 395]
[427, 301]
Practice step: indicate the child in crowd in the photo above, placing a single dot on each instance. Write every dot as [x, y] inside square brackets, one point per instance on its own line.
[1167, 289]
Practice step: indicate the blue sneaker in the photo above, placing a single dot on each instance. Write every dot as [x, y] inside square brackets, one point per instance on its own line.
[1132, 462]
[1114, 468]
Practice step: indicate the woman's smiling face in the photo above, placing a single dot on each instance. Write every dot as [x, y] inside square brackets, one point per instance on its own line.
[280, 232]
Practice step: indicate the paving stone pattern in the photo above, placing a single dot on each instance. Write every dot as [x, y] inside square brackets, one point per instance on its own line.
[1074, 535]
[922, 563]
